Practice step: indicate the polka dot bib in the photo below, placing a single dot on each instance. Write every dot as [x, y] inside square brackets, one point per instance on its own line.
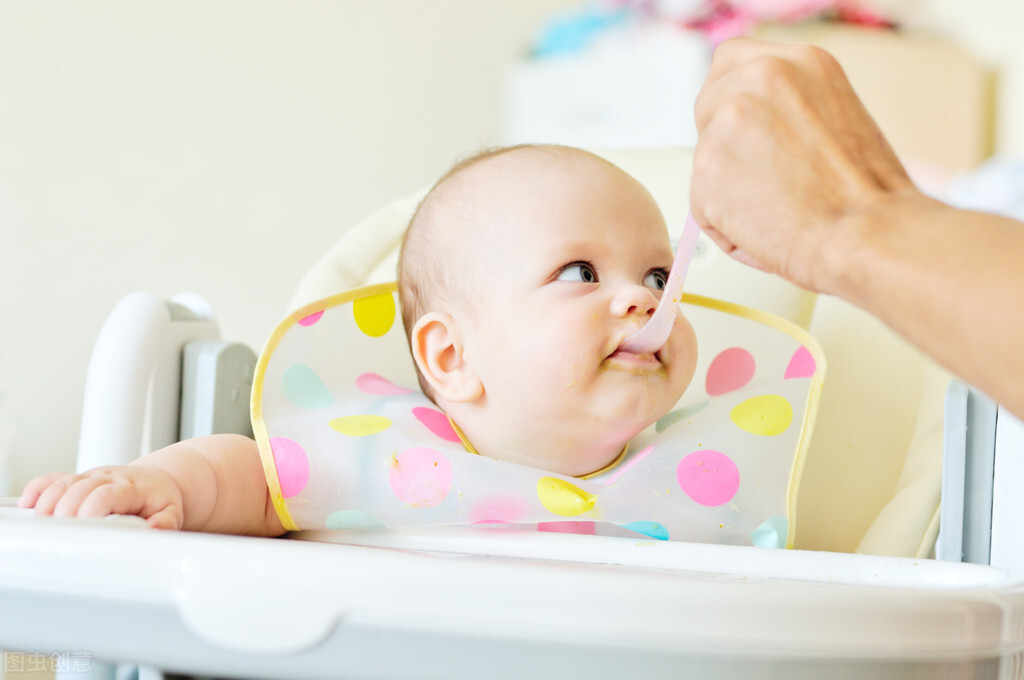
[349, 442]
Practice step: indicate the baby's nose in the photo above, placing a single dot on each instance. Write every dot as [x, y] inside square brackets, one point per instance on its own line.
[634, 299]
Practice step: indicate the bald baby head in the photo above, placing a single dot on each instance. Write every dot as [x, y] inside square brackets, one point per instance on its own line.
[437, 266]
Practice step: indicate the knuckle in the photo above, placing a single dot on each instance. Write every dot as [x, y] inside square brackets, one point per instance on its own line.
[768, 71]
[817, 58]
[705, 167]
[102, 491]
[726, 49]
[62, 483]
[737, 112]
[813, 61]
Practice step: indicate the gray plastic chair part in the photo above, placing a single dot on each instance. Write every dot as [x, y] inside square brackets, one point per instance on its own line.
[967, 470]
[216, 381]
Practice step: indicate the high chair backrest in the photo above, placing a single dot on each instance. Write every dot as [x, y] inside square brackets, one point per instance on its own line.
[873, 473]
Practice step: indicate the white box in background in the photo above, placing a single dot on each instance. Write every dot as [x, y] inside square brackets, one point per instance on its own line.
[633, 87]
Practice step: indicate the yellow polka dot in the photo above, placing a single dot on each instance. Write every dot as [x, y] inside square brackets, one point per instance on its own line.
[766, 415]
[360, 426]
[563, 498]
[375, 314]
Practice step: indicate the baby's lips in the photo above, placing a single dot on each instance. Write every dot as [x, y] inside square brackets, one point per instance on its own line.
[627, 354]
[622, 345]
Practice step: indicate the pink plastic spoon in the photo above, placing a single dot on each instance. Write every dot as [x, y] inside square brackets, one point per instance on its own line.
[653, 335]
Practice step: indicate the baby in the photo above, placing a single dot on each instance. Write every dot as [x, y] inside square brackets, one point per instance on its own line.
[520, 275]
[522, 272]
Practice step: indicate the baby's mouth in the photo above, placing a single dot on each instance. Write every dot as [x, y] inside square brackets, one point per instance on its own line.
[635, 359]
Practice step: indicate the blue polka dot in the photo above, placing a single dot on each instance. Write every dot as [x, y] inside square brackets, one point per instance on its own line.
[673, 417]
[352, 519]
[652, 529]
[772, 533]
[303, 388]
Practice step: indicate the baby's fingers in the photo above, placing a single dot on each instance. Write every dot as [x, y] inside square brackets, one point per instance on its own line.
[125, 496]
[52, 495]
[115, 497]
[165, 519]
[30, 495]
[70, 500]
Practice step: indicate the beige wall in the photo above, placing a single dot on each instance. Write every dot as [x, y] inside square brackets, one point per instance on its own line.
[991, 29]
[220, 146]
[217, 147]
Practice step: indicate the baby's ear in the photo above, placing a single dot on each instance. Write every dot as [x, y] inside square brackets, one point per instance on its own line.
[437, 348]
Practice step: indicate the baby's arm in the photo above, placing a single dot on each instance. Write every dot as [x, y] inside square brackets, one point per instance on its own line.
[212, 484]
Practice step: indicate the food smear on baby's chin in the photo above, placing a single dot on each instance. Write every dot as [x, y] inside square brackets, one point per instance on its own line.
[572, 383]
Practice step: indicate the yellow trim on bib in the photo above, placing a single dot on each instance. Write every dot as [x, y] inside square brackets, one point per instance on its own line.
[259, 428]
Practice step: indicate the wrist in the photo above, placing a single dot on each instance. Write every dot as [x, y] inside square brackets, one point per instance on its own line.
[856, 254]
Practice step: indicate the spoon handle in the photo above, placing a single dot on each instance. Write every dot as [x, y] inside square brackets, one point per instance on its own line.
[653, 335]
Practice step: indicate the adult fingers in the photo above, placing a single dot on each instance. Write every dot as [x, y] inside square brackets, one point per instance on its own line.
[770, 71]
[750, 76]
[743, 257]
[735, 52]
[739, 52]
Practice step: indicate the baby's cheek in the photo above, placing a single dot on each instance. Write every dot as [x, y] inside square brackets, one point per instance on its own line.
[535, 377]
[683, 346]
[555, 361]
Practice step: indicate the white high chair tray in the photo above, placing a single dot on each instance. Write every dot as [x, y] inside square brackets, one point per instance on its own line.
[588, 606]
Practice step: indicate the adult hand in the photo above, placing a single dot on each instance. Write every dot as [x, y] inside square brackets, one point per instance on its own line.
[786, 153]
[792, 175]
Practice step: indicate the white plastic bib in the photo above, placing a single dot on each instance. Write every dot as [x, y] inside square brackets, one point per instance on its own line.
[348, 441]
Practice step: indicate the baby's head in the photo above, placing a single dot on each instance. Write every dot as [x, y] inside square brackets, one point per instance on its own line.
[521, 273]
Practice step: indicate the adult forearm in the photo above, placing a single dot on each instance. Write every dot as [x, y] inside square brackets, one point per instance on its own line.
[946, 279]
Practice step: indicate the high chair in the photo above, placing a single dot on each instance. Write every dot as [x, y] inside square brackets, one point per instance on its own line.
[465, 602]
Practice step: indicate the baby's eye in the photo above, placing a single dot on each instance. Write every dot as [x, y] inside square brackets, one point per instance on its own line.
[578, 271]
[656, 279]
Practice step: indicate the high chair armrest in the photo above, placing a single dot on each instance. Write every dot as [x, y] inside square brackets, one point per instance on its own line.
[133, 384]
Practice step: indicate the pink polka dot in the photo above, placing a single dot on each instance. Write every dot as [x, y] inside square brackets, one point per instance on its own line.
[371, 383]
[311, 319]
[708, 477]
[802, 365]
[730, 370]
[497, 511]
[420, 477]
[436, 422]
[584, 528]
[292, 465]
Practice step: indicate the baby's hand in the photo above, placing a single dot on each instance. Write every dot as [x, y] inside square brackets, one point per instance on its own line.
[146, 491]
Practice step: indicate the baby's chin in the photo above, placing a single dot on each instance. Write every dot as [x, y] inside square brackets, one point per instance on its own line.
[574, 445]
[587, 460]
[572, 460]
